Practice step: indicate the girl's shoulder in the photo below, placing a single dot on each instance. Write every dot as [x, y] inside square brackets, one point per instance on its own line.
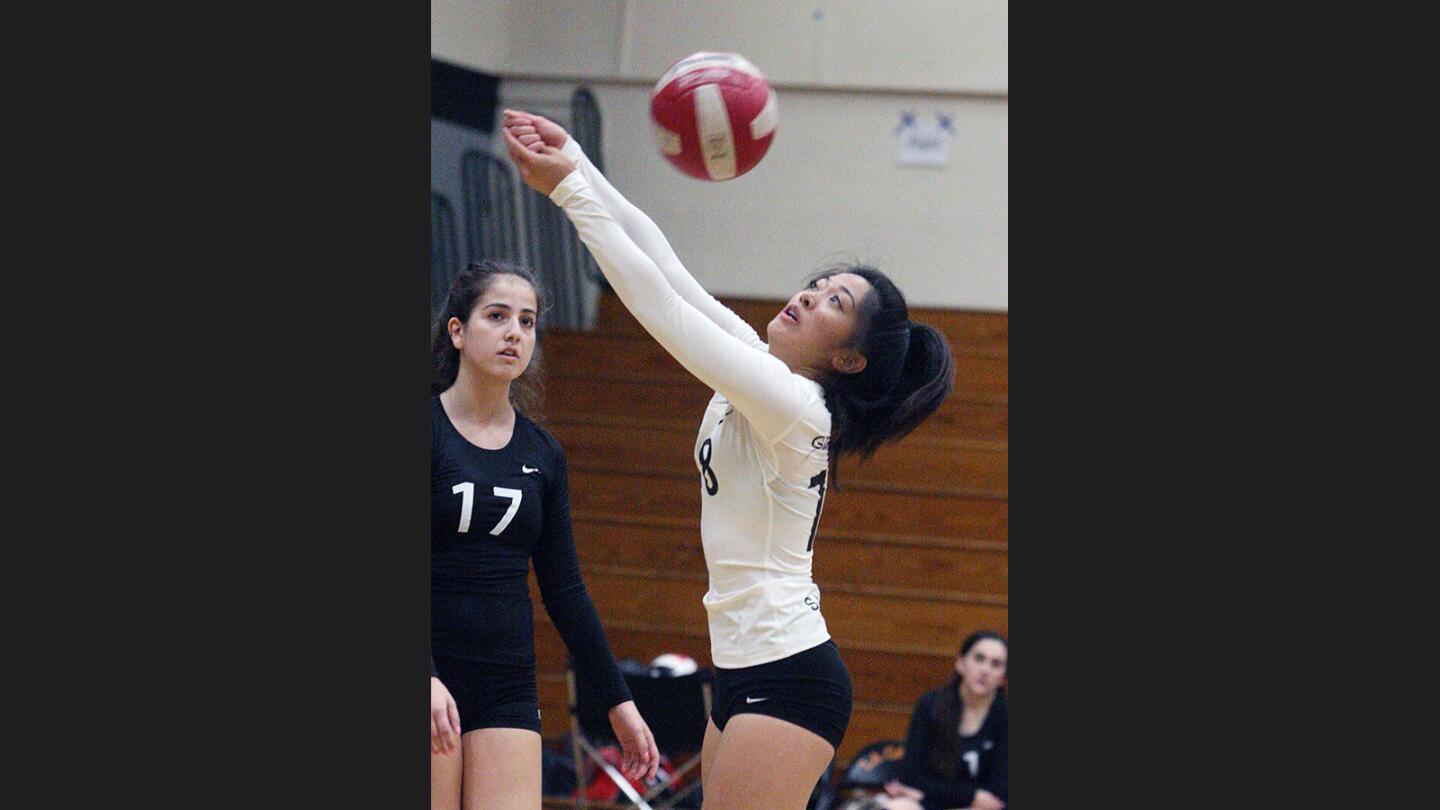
[537, 437]
[932, 697]
[999, 713]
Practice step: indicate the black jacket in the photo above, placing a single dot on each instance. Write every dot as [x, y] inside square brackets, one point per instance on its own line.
[982, 760]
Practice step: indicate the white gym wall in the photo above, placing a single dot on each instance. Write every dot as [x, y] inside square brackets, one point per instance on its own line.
[830, 186]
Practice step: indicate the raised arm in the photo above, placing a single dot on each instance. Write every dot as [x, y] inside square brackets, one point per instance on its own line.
[532, 130]
[760, 386]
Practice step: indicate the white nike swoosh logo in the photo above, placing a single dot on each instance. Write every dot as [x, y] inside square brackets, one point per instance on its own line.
[755, 700]
[525, 469]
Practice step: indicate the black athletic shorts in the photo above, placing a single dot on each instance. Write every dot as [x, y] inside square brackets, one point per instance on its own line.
[810, 689]
[487, 698]
[484, 651]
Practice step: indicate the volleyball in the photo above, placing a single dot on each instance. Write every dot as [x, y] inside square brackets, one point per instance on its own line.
[674, 664]
[713, 115]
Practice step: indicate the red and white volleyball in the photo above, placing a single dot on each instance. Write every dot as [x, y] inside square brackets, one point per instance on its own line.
[713, 115]
[675, 664]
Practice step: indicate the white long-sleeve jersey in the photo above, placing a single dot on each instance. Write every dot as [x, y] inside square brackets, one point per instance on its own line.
[762, 451]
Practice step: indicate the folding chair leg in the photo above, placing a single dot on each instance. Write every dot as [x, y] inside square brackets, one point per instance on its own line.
[663, 781]
[578, 742]
[649, 800]
[674, 799]
[615, 776]
[670, 780]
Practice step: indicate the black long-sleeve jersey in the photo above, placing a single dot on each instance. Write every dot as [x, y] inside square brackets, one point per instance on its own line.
[492, 513]
[983, 759]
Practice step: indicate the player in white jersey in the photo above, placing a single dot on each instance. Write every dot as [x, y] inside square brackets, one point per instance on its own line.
[843, 371]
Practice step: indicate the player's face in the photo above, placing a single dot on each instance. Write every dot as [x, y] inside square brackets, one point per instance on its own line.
[819, 321]
[499, 337]
[983, 667]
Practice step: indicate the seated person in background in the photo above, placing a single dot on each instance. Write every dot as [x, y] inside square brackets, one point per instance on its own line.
[957, 748]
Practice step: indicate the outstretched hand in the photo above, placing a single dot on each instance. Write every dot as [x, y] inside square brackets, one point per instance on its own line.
[541, 166]
[642, 757]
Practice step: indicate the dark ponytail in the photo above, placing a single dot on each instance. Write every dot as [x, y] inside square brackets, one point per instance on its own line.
[527, 392]
[908, 372]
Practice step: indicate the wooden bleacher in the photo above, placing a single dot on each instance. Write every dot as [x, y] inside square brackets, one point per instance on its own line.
[912, 551]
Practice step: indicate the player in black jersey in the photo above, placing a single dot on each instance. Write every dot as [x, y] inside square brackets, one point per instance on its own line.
[957, 751]
[500, 500]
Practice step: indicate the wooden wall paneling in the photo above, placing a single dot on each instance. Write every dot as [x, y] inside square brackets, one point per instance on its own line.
[842, 558]
[956, 466]
[854, 508]
[964, 329]
[566, 353]
[638, 401]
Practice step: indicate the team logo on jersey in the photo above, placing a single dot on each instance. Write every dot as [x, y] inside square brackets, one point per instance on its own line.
[813, 601]
[820, 442]
[528, 469]
[988, 744]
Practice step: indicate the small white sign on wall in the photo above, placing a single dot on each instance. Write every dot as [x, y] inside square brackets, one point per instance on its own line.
[924, 141]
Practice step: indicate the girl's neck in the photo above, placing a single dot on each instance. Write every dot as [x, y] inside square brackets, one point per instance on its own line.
[478, 399]
[796, 367]
[973, 702]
